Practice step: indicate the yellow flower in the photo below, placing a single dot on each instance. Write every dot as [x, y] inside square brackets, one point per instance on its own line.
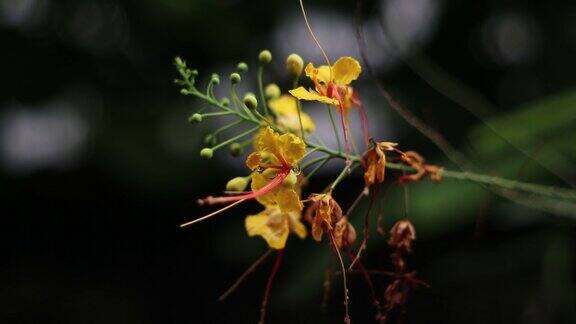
[274, 184]
[275, 151]
[285, 108]
[331, 84]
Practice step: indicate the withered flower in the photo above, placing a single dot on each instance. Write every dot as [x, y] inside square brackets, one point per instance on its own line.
[325, 215]
[374, 162]
[417, 162]
[401, 236]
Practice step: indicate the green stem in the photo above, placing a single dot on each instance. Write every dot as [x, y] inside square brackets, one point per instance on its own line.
[237, 99]
[334, 128]
[318, 167]
[299, 108]
[312, 162]
[235, 138]
[261, 89]
[220, 113]
[223, 128]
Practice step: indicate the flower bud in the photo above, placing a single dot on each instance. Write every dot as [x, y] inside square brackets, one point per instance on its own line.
[290, 181]
[225, 102]
[215, 79]
[272, 91]
[265, 57]
[250, 100]
[210, 140]
[207, 153]
[195, 118]
[294, 64]
[242, 67]
[236, 149]
[237, 184]
[235, 78]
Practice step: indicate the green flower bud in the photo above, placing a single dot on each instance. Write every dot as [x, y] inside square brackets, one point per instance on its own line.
[242, 67]
[195, 118]
[250, 100]
[179, 62]
[290, 180]
[207, 153]
[237, 184]
[235, 78]
[270, 173]
[272, 91]
[294, 64]
[236, 149]
[215, 79]
[184, 91]
[265, 57]
[225, 102]
[210, 140]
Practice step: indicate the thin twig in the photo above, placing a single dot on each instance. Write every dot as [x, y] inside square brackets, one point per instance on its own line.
[245, 275]
[344, 281]
[266, 297]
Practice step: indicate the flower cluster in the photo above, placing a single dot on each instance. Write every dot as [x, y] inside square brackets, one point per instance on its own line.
[284, 146]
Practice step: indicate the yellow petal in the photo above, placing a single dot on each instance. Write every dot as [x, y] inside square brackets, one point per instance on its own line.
[291, 147]
[288, 200]
[285, 108]
[272, 226]
[267, 142]
[296, 225]
[324, 75]
[253, 160]
[259, 181]
[304, 94]
[283, 105]
[321, 74]
[346, 70]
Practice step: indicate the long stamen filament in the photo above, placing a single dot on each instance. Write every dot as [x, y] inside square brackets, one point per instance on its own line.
[211, 214]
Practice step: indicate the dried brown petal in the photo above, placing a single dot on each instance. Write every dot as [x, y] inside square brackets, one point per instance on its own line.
[323, 213]
[417, 162]
[374, 163]
[401, 235]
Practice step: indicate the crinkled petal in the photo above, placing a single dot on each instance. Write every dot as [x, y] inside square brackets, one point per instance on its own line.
[272, 227]
[296, 225]
[258, 181]
[283, 105]
[303, 94]
[253, 160]
[324, 75]
[288, 199]
[346, 70]
[292, 148]
[320, 74]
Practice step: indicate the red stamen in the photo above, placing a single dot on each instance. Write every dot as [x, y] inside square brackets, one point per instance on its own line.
[237, 199]
[252, 195]
[363, 118]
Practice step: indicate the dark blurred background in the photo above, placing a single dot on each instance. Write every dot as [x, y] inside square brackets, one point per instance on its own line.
[98, 165]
